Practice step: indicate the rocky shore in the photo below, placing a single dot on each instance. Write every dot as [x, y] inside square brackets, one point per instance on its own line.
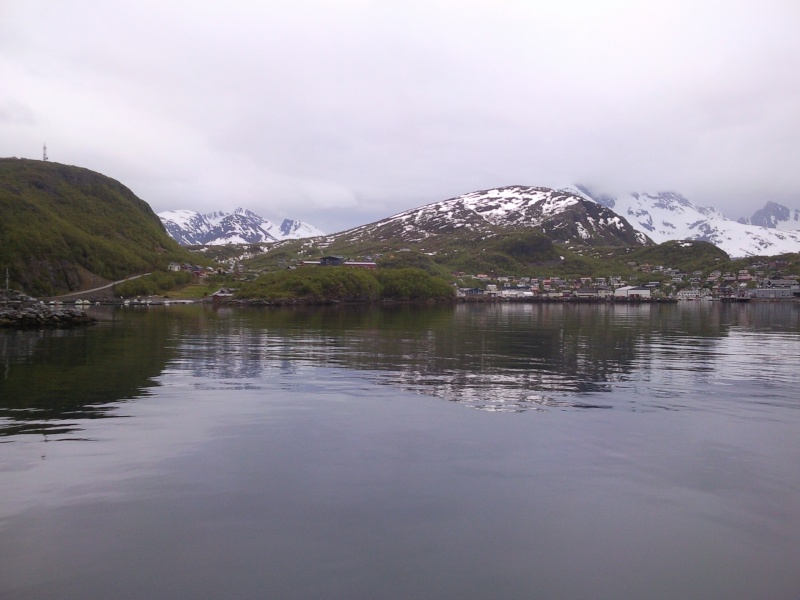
[20, 311]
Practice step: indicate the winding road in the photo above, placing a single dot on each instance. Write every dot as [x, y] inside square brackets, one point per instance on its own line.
[97, 289]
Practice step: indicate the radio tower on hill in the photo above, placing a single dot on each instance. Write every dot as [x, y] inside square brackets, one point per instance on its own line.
[44, 153]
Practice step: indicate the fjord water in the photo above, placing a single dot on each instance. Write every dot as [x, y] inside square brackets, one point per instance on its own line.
[474, 451]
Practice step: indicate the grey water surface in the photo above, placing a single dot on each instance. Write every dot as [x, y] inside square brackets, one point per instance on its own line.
[470, 451]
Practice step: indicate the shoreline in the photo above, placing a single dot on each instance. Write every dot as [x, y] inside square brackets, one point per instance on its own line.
[20, 311]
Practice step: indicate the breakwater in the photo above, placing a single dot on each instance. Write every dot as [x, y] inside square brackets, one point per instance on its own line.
[20, 311]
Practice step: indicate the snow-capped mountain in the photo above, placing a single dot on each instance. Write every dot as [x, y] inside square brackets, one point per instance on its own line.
[295, 230]
[775, 216]
[561, 215]
[670, 216]
[242, 226]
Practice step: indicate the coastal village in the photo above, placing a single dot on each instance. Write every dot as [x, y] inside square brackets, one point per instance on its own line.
[763, 280]
[760, 281]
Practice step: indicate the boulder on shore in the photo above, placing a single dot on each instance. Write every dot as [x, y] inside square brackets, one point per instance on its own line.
[20, 311]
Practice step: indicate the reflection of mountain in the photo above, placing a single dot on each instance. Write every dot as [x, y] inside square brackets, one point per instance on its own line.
[507, 357]
[497, 357]
[51, 377]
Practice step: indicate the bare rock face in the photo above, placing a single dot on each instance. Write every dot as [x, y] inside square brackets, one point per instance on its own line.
[20, 311]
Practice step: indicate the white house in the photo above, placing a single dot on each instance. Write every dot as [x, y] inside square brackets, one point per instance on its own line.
[631, 292]
[688, 294]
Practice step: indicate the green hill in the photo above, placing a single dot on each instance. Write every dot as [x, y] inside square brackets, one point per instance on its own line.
[687, 255]
[64, 228]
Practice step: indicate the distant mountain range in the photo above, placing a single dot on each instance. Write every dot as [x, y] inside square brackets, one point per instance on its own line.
[576, 215]
[669, 216]
[242, 226]
[775, 216]
[572, 214]
[66, 228]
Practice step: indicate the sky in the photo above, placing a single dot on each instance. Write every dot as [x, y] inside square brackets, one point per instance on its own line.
[344, 112]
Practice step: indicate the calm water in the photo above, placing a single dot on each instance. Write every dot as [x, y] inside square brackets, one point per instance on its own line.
[502, 451]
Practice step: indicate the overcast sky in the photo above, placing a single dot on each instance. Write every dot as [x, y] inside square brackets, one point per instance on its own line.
[343, 112]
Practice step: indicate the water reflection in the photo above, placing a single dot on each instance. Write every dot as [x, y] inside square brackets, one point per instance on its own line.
[52, 379]
[277, 453]
[502, 357]
[505, 357]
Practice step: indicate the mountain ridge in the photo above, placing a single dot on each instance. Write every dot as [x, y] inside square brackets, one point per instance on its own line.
[668, 216]
[559, 215]
[657, 217]
[242, 226]
[775, 216]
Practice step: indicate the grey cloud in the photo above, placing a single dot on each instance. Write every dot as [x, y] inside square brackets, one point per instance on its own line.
[16, 114]
[338, 113]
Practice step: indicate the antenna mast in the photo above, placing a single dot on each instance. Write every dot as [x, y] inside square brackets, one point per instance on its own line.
[44, 153]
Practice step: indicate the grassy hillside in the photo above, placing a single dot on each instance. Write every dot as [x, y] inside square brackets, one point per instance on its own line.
[342, 284]
[515, 253]
[65, 228]
[685, 255]
[504, 253]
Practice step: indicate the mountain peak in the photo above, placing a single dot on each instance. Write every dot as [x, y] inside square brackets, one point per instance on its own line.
[560, 215]
[668, 216]
[291, 230]
[775, 216]
[242, 226]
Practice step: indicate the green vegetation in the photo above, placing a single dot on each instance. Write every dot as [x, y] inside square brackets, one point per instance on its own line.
[224, 252]
[527, 254]
[155, 283]
[791, 264]
[527, 247]
[317, 284]
[411, 260]
[412, 284]
[345, 284]
[684, 255]
[503, 255]
[65, 228]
